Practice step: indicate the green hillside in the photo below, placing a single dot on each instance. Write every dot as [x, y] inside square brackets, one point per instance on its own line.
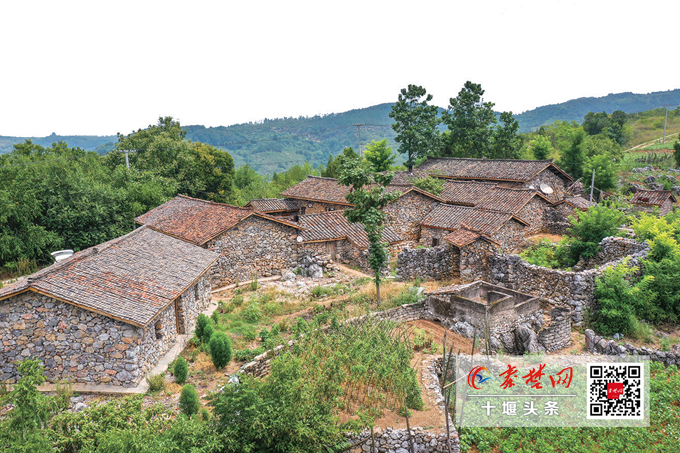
[576, 109]
[273, 145]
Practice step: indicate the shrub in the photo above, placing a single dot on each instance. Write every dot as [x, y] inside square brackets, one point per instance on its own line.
[246, 355]
[616, 300]
[215, 317]
[253, 283]
[208, 332]
[264, 334]
[188, 401]
[181, 370]
[275, 332]
[587, 230]
[321, 291]
[542, 254]
[220, 350]
[252, 313]
[201, 322]
[156, 382]
[237, 301]
[64, 392]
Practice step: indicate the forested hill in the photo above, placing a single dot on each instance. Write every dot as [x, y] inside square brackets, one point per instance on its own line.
[273, 145]
[576, 109]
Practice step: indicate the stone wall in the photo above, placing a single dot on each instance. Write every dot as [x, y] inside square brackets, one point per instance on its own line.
[407, 212]
[474, 258]
[255, 246]
[614, 248]
[71, 342]
[535, 213]
[660, 210]
[598, 344]
[397, 441]
[435, 263]
[191, 303]
[510, 235]
[427, 234]
[86, 347]
[557, 218]
[574, 289]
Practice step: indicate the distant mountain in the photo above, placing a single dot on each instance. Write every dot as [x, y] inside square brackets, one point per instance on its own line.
[576, 109]
[273, 145]
[87, 142]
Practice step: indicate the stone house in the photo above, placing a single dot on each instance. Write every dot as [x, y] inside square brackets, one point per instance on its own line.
[407, 211]
[316, 194]
[249, 243]
[465, 193]
[107, 314]
[330, 234]
[510, 173]
[278, 207]
[504, 229]
[528, 205]
[648, 200]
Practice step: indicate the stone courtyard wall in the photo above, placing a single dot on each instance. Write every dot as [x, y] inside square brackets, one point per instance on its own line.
[535, 213]
[253, 247]
[557, 218]
[431, 263]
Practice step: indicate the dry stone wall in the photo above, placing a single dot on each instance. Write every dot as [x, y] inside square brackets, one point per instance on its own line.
[435, 263]
[253, 247]
[317, 207]
[535, 213]
[596, 343]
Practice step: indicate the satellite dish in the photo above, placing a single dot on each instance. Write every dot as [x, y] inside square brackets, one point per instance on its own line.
[532, 187]
[546, 189]
[299, 238]
[62, 255]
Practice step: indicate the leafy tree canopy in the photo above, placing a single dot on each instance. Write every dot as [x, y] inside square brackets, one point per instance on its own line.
[415, 122]
[379, 156]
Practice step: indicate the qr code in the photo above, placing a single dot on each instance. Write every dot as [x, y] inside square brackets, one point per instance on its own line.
[615, 391]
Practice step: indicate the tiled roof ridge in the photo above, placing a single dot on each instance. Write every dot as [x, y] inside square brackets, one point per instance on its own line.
[80, 255]
[321, 177]
[550, 161]
[214, 203]
[270, 217]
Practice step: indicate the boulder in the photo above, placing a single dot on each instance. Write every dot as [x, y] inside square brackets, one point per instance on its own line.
[288, 276]
[525, 340]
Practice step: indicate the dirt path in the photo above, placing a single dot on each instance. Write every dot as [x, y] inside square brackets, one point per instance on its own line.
[352, 272]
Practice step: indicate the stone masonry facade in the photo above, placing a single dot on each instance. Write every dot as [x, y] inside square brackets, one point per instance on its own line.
[406, 213]
[254, 247]
[86, 347]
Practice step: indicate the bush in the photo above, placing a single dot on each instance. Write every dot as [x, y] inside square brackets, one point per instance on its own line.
[208, 332]
[542, 254]
[181, 370]
[188, 401]
[587, 230]
[156, 382]
[321, 291]
[264, 334]
[201, 322]
[616, 299]
[215, 317]
[220, 350]
[252, 312]
[246, 355]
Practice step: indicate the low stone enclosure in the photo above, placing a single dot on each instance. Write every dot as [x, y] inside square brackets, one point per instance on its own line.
[513, 321]
[598, 344]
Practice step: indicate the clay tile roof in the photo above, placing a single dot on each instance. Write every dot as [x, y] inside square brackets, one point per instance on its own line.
[577, 201]
[406, 177]
[333, 226]
[450, 217]
[463, 237]
[652, 197]
[465, 192]
[273, 204]
[508, 200]
[198, 221]
[489, 169]
[315, 188]
[131, 278]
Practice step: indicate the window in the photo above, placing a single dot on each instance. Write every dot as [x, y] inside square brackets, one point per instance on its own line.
[435, 242]
[330, 209]
[197, 293]
[158, 327]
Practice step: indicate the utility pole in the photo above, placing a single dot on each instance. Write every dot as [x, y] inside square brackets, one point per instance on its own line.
[592, 186]
[127, 161]
[358, 126]
[664, 124]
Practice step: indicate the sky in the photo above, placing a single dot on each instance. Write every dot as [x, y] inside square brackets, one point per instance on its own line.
[98, 68]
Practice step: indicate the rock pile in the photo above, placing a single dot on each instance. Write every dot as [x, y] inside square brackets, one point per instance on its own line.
[596, 343]
[312, 265]
[397, 441]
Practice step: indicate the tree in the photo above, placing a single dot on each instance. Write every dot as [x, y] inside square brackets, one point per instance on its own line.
[594, 145]
[189, 403]
[473, 130]
[676, 153]
[334, 165]
[572, 159]
[430, 184]
[220, 350]
[469, 120]
[379, 155]
[415, 123]
[181, 370]
[587, 230]
[540, 147]
[368, 196]
[606, 173]
[507, 143]
[615, 301]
